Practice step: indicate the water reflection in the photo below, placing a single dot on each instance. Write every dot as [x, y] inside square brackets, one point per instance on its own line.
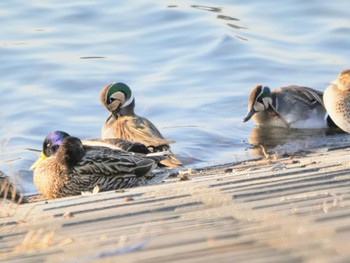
[235, 26]
[93, 57]
[223, 17]
[219, 17]
[282, 140]
[207, 8]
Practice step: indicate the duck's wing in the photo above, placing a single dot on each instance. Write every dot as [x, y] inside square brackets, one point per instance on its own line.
[141, 130]
[309, 96]
[108, 162]
[116, 143]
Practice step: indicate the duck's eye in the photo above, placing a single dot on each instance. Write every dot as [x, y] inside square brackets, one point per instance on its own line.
[110, 100]
[53, 149]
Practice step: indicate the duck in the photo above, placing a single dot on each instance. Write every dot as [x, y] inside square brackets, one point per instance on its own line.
[295, 107]
[337, 100]
[123, 123]
[8, 189]
[67, 167]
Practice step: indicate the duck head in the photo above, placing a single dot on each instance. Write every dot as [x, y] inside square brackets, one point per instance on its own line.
[260, 99]
[118, 99]
[70, 152]
[50, 146]
[343, 80]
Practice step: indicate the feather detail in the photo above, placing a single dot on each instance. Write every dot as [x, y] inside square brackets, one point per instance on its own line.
[138, 129]
[305, 95]
[77, 168]
[123, 123]
[292, 106]
[118, 144]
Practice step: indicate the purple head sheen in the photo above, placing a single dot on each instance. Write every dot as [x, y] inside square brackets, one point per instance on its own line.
[53, 141]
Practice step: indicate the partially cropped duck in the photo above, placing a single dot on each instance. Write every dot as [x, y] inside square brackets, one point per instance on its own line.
[125, 124]
[8, 189]
[66, 167]
[337, 100]
[290, 107]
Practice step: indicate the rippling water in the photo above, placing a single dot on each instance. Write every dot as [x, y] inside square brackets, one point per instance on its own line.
[191, 65]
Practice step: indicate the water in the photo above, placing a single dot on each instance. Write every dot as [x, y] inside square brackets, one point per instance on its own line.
[191, 65]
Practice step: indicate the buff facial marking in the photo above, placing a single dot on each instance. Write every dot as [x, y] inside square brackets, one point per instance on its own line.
[116, 100]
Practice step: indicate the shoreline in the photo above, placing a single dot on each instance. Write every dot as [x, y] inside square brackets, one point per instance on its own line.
[290, 208]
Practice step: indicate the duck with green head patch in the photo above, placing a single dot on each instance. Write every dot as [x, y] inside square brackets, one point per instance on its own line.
[123, 123]
[290, 107]
[66, 167]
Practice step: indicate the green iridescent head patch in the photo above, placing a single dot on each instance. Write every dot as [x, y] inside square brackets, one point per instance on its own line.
[119, 87]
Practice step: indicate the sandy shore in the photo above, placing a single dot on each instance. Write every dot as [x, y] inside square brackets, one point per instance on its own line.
[279, 208]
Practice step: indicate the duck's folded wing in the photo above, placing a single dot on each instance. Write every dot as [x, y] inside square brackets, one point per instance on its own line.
[114, 165]
[140, 130]
[116, 143]
[307, 95]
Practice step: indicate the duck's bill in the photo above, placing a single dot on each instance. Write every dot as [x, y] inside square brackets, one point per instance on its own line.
[249, 115]
[40, 159]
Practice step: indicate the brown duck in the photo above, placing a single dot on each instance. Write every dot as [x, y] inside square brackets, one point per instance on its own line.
[123, 123]
[66, 167]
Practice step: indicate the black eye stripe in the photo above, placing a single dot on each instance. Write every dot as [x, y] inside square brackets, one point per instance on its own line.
[258, 97]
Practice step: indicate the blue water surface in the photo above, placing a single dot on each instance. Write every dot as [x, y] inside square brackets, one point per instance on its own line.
[191, 65]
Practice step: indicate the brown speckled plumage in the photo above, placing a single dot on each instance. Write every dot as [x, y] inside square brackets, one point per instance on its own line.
[77, 168]
[125, 124]
[337, 100]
